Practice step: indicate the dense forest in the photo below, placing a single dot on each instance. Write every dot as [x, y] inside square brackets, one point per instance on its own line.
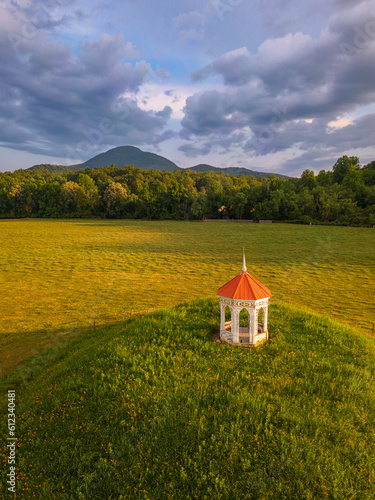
[343, 195]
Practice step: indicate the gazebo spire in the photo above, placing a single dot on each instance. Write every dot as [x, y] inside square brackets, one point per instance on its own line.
[244, 268]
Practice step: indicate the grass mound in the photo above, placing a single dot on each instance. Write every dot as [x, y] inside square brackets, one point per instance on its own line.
[153, 409]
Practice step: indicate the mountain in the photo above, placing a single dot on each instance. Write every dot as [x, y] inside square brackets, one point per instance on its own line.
[57, 169]
[202, 167]
[129, 155]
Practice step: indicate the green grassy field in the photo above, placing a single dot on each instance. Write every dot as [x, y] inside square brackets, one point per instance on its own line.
[153, 408]
[147, 406]
[58, 277]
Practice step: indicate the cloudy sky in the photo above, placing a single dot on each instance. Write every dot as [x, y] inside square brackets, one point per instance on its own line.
[273, 85]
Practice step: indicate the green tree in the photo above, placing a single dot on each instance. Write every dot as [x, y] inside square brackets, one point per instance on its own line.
[306, 203]
[89, 201]
[15, 195]
[328, 205]
[48, 198]
[368, 172]
[354, 185]
[276, 204]
[324, 178]
[275, 183]
[308, 179]
[342, 166]
[199, 206]
[238, 203]
[115, 200]
[71, 194]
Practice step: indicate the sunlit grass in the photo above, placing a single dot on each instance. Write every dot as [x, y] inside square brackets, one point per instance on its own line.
[154, 409]
[61, 275]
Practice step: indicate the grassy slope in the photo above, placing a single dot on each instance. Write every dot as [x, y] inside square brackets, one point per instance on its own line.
[59, 276]
[153, 409]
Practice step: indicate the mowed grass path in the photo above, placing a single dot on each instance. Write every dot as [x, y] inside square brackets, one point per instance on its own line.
[59, 276]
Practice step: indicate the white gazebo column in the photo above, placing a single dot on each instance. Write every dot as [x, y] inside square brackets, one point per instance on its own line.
[235, 325]
[256, 316]
[251, 326]
[249, 311]
[265, 321]
[222, 317]
[231, 321]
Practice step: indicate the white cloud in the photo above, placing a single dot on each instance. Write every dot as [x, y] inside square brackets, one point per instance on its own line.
[340, 123]
[155, 96]
[190, 26]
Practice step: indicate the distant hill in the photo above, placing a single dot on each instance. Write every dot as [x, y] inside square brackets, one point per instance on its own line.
[58, 169]
[202, 167]
[129, 155]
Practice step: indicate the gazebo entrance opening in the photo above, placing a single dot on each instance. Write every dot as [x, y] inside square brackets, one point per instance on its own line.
[244, 326]
[228, 319]
[260, 320]
[245, 321]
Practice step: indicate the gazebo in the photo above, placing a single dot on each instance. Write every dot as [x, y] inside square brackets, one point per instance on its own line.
[244, 292]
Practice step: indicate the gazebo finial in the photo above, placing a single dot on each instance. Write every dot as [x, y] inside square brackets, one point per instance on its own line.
[244, 268]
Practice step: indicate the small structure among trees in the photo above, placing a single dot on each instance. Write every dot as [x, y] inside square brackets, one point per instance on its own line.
[244, 294]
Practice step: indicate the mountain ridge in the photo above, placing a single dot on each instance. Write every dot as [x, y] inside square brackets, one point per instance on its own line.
[131, 155]
[203, 167]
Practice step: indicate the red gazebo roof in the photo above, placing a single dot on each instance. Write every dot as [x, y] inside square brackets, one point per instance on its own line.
[244, 287]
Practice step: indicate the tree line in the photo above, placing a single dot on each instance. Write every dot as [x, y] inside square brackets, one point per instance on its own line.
[343, 195]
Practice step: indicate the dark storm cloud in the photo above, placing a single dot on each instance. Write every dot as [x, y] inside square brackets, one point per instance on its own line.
[359, 134]
[165, 113]
[315, 160]
[46, 15]
[220, 143]
[236, 67]
[337, 142]
[51, 97]
[191, 151]
[288, 92]
[208, 112]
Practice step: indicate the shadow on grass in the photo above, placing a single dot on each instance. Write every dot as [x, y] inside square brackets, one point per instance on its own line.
[55, 345]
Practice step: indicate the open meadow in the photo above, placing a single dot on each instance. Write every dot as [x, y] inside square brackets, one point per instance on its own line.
[149, 406]
[58, 277]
